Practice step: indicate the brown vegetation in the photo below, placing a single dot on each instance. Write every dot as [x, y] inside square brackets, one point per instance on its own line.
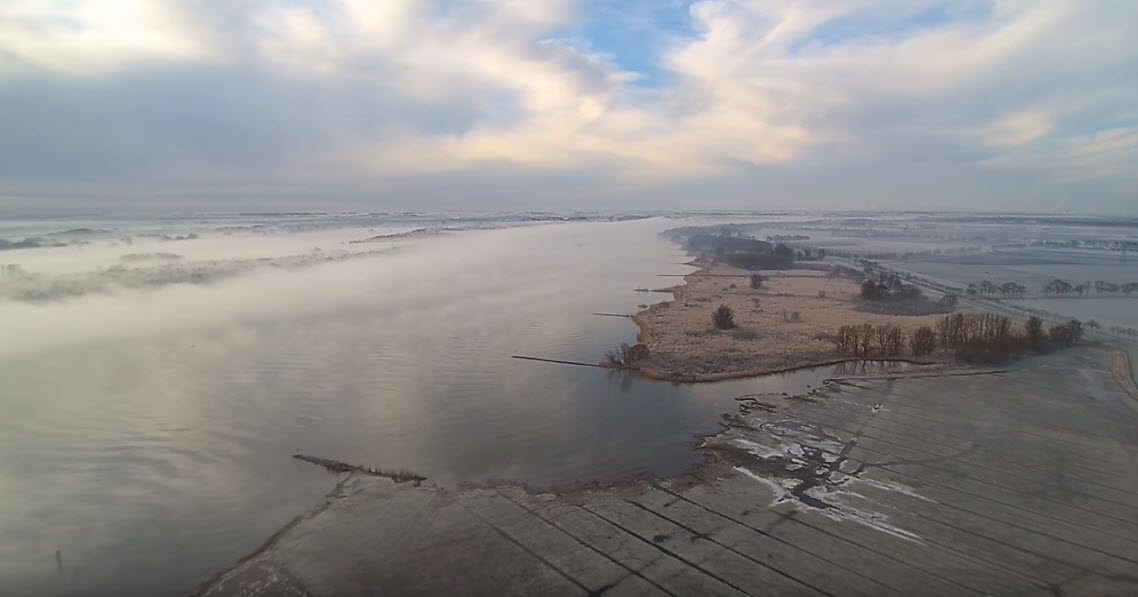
[723, 317]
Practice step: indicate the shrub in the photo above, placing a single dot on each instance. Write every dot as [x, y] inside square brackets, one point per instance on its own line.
[617, 356]
[821, 294]
[723, 317]
[756, 281]
[870, 291]
[625, 355]
[1067, 334]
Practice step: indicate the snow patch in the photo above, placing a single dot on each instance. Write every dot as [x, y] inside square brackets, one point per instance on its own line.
[778, 490]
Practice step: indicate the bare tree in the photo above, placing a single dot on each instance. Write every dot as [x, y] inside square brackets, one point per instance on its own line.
[923, 341]
[864, 339]
[890, 340]
[846, 340]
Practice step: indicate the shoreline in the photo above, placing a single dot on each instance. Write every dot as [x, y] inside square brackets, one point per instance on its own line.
[654, 375]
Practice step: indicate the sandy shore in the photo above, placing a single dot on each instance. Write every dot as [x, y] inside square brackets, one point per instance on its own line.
[685, 346]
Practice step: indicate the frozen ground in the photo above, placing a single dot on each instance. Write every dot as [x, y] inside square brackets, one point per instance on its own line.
[1015, 482]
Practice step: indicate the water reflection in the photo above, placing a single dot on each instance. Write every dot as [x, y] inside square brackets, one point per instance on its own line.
[871, 367]
[620, 378]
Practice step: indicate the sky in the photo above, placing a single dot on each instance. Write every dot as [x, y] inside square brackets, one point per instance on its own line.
[1008, 105]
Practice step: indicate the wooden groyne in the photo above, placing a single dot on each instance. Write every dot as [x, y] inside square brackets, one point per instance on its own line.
[338, 466]
[558, 361]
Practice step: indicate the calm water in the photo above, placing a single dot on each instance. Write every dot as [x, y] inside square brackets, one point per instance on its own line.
[149, 440]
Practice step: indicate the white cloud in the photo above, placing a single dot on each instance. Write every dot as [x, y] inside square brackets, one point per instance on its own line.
[1017, 130]
[435, 88]
[1108, 154]
[91, 36]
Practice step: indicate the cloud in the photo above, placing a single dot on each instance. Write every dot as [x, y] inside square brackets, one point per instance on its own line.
[1108, 154]
[1017, 130]
[327, 93]
[88, 37]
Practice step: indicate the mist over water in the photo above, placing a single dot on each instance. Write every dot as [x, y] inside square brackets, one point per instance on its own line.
[147, 432]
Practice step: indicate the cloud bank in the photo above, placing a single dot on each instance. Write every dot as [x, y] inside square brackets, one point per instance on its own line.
[1003, 104]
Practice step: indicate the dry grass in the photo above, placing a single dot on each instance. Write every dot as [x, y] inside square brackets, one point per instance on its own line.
[684, 344]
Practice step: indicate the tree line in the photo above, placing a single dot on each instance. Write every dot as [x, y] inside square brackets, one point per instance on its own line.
[1057, 286]
[973, 337]
[1063, 287]
[987, 288]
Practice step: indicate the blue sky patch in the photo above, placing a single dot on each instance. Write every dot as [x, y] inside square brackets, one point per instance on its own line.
[893, 24]
[633, 34]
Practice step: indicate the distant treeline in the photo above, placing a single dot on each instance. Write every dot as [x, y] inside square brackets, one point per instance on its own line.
[986, 288]
[1063, 287]
[1090, 324]
[1057, 287]
[1112, 221]
[749, 253]
[907, 255]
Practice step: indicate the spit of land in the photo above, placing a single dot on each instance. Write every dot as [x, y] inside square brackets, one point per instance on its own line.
[783, 325]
